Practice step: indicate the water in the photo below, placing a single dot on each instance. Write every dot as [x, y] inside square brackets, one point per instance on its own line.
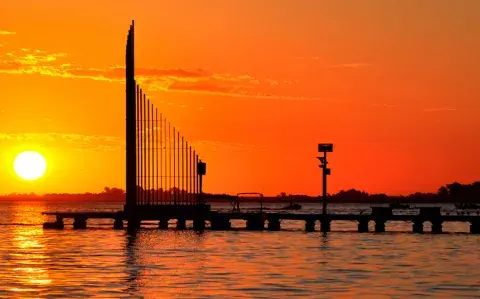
[103, 263]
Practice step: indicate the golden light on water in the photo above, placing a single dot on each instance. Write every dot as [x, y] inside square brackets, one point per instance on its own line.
[28, 258]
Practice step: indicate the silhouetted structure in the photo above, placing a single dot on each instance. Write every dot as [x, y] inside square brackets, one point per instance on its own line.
[164, 181]
[162, 169]
[324, 148]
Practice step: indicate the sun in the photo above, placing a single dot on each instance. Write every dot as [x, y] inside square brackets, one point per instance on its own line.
[30, 165]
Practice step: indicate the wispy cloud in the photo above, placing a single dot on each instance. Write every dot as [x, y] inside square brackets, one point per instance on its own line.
[384, 105]
[210, 145]
[306, 58]
[3, 32]
[352, 65]
[105, 143]
[440, 109]
[29, 61]
[72, 141]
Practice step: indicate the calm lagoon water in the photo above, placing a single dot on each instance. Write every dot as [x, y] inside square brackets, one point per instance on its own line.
[103, 263]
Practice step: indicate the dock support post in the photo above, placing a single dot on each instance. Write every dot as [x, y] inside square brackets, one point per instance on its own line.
[310, 225]
[133, 224]
[380, 225]
[220, 223]
[437, 226]
[118, 224]
[475, 227]
[417, 226]
[325, 225]
[274, 224]
[79, 222]
[255, 222]
[199, 224]
[163, 224]
[58, 224]
[363, 226]
[181, 224]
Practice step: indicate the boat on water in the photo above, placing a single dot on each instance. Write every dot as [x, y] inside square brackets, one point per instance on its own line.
[292, 206]
[398, 205]
[466, 205]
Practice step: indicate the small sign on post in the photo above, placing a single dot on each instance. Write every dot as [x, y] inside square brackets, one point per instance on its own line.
[325, 147]
[201, 168]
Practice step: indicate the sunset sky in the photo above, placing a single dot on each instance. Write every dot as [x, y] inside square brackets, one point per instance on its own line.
[254, 85]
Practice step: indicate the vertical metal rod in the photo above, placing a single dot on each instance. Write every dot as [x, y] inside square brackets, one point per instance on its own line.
[166, 149]
[324, 173]
[194, 176]
[183, 172]
[154, 146]
[190, 177]
[169, 164]
[174, 169]
[152, 167]
[152, 157]
[179, 169]
[199, 191]
[148, 151]
[186, 171]
[158, 157]
[137, 140]
[140, 153]
[161, 159]
[144, 149]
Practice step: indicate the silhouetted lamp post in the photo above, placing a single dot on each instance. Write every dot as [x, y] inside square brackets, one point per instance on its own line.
[324, 148]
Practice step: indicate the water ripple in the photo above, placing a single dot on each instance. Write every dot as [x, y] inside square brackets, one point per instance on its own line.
[104, 263]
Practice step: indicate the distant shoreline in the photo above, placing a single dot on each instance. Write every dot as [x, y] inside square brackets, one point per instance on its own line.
[448, 194]
[266, 200]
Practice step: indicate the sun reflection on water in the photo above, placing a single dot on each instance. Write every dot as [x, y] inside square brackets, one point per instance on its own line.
[28, 253]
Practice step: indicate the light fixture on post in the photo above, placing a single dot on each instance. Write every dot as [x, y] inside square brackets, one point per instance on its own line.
[324, 148]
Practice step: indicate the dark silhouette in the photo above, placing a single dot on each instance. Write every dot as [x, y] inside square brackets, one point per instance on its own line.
[462, 194]
[164, 182]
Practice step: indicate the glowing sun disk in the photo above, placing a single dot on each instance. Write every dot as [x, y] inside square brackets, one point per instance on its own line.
[29, 165]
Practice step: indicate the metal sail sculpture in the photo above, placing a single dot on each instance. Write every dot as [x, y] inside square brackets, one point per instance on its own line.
[162, 168]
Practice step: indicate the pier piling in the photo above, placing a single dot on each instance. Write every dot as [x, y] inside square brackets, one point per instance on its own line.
[380, 225]
[256, 222]
[437, 226]
[363, 226]
[199, 224]
[325, 225]
[80, 222]
[118, 224]
[274, 224]
[417, 226]
[134, 224]
[163, 224]
[220, 223]
[310, 225]
[475, 227]
[181, 224]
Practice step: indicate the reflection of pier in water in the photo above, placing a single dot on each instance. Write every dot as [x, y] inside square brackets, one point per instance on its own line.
[164, 182]
[183, 254]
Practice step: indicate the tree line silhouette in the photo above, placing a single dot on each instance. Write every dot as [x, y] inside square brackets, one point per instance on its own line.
[454, 192]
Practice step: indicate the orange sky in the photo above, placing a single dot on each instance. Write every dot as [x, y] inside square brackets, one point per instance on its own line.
[254, 85]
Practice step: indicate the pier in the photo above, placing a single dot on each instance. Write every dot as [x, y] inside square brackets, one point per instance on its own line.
[217, 220]
[164, 181]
